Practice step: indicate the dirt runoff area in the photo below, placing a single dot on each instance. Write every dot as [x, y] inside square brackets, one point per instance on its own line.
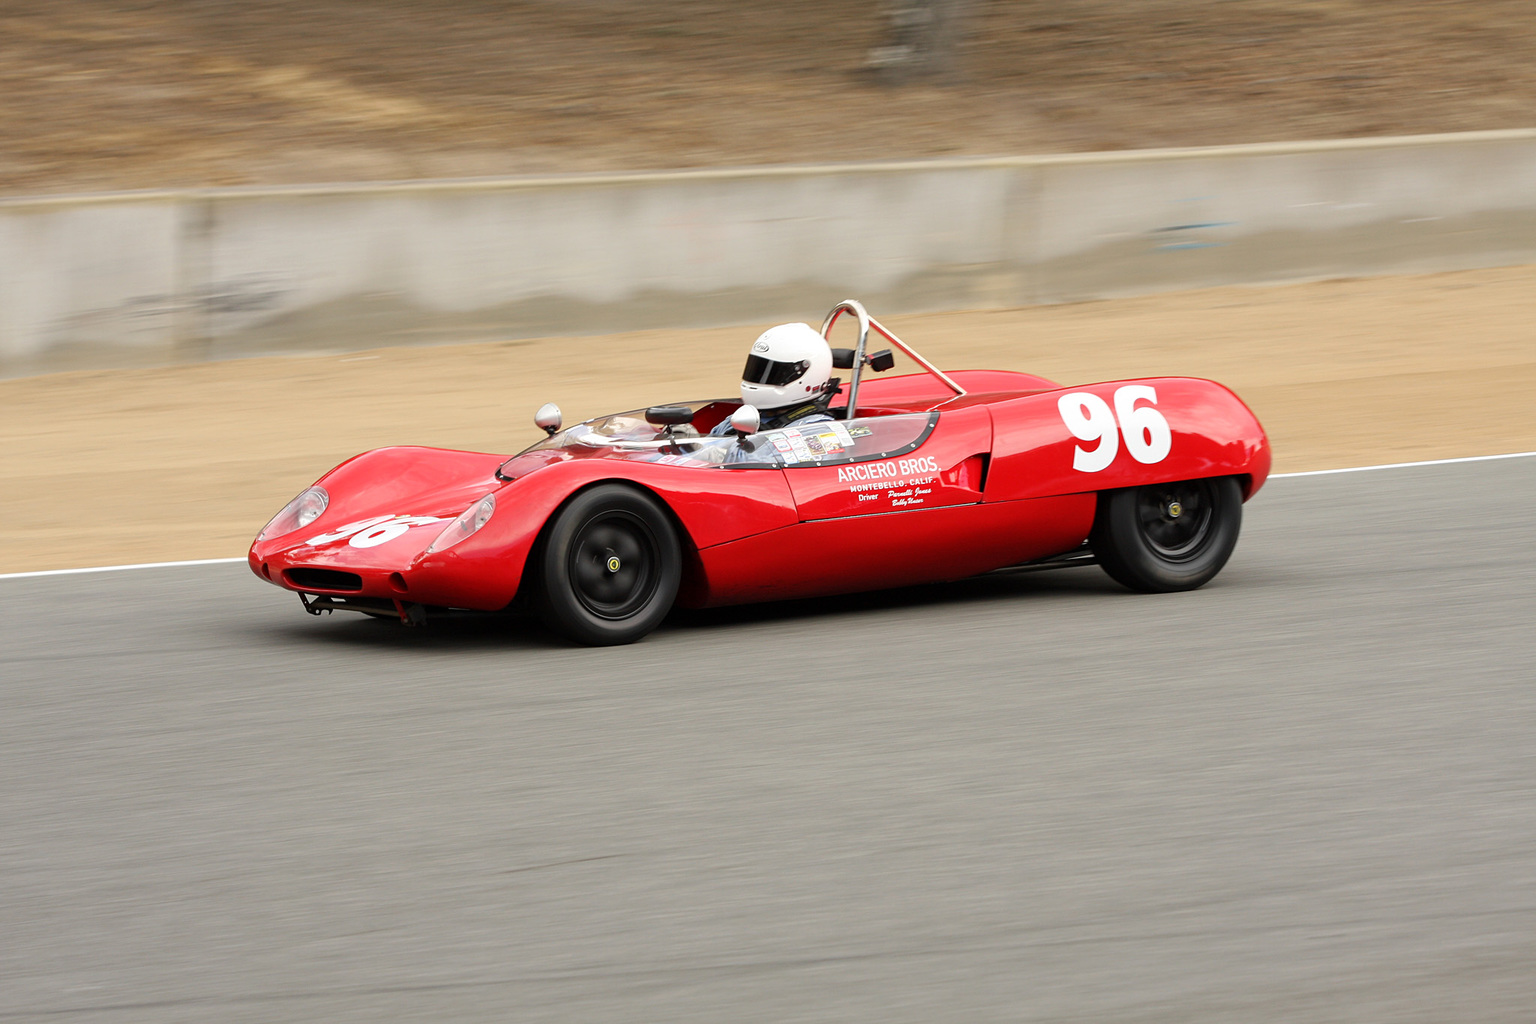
[185, 462]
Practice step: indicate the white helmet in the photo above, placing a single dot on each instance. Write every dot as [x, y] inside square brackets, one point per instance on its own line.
[788, 364]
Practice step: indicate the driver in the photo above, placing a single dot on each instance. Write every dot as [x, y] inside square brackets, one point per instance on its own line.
[788, 378]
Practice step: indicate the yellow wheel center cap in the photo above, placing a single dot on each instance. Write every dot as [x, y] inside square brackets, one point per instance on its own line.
[613, 563]
[1175, 510]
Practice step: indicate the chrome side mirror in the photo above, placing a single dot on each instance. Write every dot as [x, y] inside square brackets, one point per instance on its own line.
[746, 420]
[548, 418]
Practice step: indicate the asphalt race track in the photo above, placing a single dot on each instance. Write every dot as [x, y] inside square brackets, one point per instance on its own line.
[1305, 793]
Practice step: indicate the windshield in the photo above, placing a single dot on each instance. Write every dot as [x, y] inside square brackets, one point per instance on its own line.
[627, 435]
[858, 440]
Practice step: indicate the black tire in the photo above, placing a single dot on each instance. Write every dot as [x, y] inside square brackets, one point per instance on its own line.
[608, 567]
[1167, 537]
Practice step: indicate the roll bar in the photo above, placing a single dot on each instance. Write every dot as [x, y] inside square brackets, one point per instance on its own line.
[866, 322]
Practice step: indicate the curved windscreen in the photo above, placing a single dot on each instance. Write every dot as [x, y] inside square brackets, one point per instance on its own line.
[835, 443]
[627, 435]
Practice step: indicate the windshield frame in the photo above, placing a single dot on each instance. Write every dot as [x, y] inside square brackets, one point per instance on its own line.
[644, 442]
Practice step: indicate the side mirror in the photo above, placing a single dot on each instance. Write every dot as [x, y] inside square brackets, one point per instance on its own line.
[548, 418]
[746, 420]
[842, 358]
[882, 360]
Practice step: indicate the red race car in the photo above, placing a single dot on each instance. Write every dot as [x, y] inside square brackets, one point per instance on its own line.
[602, 527]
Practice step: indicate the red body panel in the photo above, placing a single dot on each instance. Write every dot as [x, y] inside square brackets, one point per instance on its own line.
[712, 505]
[932, 476]
[1213, 434]
[992, 485]
[839, 556]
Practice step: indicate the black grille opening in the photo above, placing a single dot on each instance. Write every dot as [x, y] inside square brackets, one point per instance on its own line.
[324, 579]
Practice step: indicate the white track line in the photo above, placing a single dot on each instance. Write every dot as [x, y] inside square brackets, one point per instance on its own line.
[118, 568]
[1273, 476]
[1404, 465]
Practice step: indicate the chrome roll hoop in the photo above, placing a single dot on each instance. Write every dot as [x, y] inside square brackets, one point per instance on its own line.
[866, 322]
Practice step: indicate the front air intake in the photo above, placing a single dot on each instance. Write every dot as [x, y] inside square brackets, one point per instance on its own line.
[324, 579]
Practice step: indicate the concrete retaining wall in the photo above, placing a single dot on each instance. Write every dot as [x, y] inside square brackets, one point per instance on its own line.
[139, 277]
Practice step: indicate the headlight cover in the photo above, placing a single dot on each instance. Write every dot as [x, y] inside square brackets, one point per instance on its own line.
[297, 514]
[467, 524]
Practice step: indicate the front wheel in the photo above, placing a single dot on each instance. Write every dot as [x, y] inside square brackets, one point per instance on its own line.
[609, 567]
[1167, 537]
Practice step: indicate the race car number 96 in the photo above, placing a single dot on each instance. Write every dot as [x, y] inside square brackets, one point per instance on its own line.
[1089, 418]
[370, 533]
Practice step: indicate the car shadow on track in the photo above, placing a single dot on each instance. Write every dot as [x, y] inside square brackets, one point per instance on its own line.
[505, 631]
[975, 590]
[489, 631]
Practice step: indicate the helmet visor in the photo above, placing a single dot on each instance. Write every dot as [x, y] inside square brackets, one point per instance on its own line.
[771, 372]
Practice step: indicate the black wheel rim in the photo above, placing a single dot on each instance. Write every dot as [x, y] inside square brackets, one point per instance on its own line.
[614, 565]
[1175, 519]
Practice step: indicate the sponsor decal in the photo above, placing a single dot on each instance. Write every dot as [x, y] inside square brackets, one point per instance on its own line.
[812, 444]
[830, 441]
[899, 481]
[890, 469]
[797, 445]
[785, 450]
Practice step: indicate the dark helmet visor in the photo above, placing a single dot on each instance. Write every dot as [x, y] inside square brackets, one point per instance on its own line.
[767, 371]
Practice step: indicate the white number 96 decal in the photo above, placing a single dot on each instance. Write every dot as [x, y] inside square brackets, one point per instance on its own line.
[370, 533]
[1089, 418]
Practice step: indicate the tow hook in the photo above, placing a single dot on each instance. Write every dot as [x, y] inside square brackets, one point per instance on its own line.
[411, 614]
[316, 608]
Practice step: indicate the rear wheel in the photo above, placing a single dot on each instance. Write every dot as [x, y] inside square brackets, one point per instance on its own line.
[1167, 537]
[609, 567]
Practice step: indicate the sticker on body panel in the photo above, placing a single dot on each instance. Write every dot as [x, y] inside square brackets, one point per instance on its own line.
[1088, 417]
[813, 443]
[889, 469]
[782, 445]
[900, 481]
[370, 533]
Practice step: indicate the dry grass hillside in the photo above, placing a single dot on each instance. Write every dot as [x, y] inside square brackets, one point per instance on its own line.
[110, 94]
